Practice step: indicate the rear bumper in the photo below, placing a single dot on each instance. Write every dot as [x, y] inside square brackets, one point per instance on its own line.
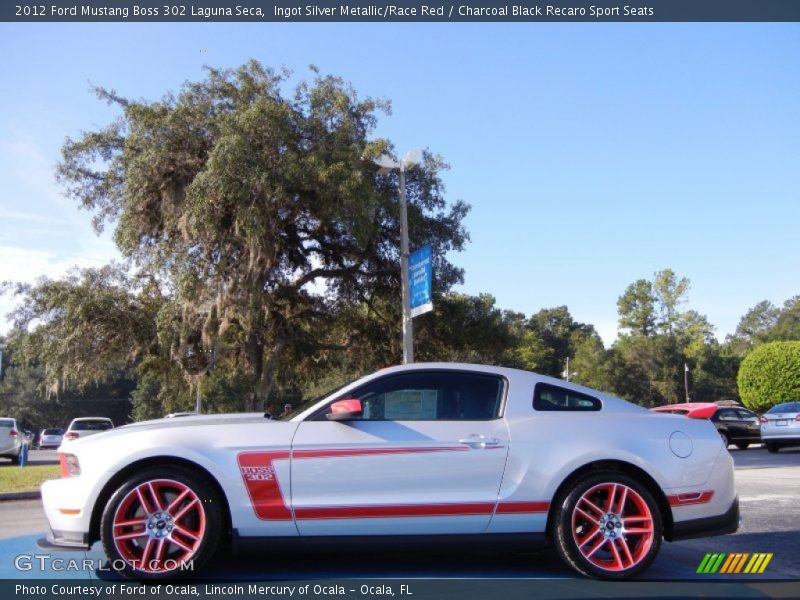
[725, 523]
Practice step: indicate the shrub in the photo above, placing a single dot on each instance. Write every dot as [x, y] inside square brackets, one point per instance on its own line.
[769, 375]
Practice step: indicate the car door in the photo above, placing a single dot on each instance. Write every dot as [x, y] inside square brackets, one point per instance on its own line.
[751, 426]
[730, 423]
[426, 456]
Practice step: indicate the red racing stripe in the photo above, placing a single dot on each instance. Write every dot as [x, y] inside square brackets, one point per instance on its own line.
[394, 510]
[517, 507]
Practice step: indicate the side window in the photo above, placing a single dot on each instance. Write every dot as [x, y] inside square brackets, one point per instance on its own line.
[548, 397]
[430, 396]
[727, 414]
[746, 414]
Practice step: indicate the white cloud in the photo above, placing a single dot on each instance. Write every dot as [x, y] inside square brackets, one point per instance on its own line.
[42, 233]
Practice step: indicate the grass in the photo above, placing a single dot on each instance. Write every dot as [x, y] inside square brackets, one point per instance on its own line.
[25, 479]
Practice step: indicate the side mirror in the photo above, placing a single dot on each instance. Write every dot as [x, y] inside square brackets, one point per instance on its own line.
[345, 410]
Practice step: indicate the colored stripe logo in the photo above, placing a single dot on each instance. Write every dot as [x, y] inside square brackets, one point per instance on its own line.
[735, 563]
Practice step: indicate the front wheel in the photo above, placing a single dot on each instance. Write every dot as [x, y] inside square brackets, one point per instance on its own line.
[772, 447]
[161, 523]
[742, 445]
[608, 526]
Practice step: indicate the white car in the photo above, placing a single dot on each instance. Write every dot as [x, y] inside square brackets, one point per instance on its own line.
[11, 439]
[85, 426]
[439, 449]
[50, 438]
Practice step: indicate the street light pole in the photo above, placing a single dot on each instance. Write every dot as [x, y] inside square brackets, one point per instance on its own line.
[408, 326]
[686, 380]
[388, 163]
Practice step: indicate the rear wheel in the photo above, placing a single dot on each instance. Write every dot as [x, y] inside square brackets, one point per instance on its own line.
[608, 526]
[161, 523]
[771, 447]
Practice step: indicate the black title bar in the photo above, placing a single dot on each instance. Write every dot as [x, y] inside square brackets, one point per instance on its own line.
[399, 11]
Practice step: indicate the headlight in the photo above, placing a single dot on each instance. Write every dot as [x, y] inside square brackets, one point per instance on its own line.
[69, 465]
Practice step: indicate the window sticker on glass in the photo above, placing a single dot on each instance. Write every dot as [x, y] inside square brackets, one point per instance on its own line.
[404, 405]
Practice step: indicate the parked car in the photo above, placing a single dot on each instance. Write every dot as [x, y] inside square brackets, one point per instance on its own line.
[780, 426]
[11, 439]
[85, 426]
[50, 438]
[736, 425]
[415, 452]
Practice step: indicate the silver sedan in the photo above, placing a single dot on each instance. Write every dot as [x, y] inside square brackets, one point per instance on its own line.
[780, 426]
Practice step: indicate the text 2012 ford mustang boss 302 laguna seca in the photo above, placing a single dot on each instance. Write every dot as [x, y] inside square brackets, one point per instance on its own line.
[427, 451]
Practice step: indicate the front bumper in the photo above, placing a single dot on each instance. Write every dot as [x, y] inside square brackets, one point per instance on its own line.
[69, 539]
[725, 523]
[67, 506]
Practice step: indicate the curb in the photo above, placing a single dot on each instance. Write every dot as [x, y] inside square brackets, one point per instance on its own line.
[34, 495]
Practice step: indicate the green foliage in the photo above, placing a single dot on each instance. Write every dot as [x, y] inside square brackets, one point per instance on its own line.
[555, 335]
[262, 218]
[769, 375]
[766, 323]
[636, 308]
[81, 328]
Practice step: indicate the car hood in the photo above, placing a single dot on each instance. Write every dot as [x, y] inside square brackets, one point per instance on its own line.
[169, 424]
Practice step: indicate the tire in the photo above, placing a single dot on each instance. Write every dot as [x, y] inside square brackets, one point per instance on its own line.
[742, 445]
[14, 459]
[161, 524]
[629, 544]
[772, 447]
[725, 439]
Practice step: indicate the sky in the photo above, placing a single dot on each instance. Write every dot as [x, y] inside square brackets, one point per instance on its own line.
[592, 154]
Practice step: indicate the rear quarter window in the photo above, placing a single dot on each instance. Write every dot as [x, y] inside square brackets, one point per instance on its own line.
[552, 398]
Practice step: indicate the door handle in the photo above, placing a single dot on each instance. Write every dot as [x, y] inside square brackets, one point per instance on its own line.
[479, 442]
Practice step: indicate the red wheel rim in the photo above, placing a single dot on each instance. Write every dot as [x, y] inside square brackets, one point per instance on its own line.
[612, 526]
[159, 525]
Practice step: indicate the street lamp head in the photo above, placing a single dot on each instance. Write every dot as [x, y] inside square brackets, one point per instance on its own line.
[412, 157]
[384, 161]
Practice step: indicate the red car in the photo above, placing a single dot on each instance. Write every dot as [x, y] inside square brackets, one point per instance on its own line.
[735, 424]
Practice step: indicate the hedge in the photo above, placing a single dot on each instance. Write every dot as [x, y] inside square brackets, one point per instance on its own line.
[769, 375]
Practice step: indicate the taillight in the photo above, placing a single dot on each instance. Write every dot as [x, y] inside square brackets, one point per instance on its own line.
[797, 418]
[71, 435]
[763, 420]
[69, 465]
[13, 433]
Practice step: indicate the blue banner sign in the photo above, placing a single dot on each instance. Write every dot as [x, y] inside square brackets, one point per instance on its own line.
[420, 277]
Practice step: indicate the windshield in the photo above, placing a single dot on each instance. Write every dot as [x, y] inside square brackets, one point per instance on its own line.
[308, 404]
[91, 425]
[788, 407]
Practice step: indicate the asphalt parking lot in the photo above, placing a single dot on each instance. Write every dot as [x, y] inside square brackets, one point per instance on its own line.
[768, 486]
